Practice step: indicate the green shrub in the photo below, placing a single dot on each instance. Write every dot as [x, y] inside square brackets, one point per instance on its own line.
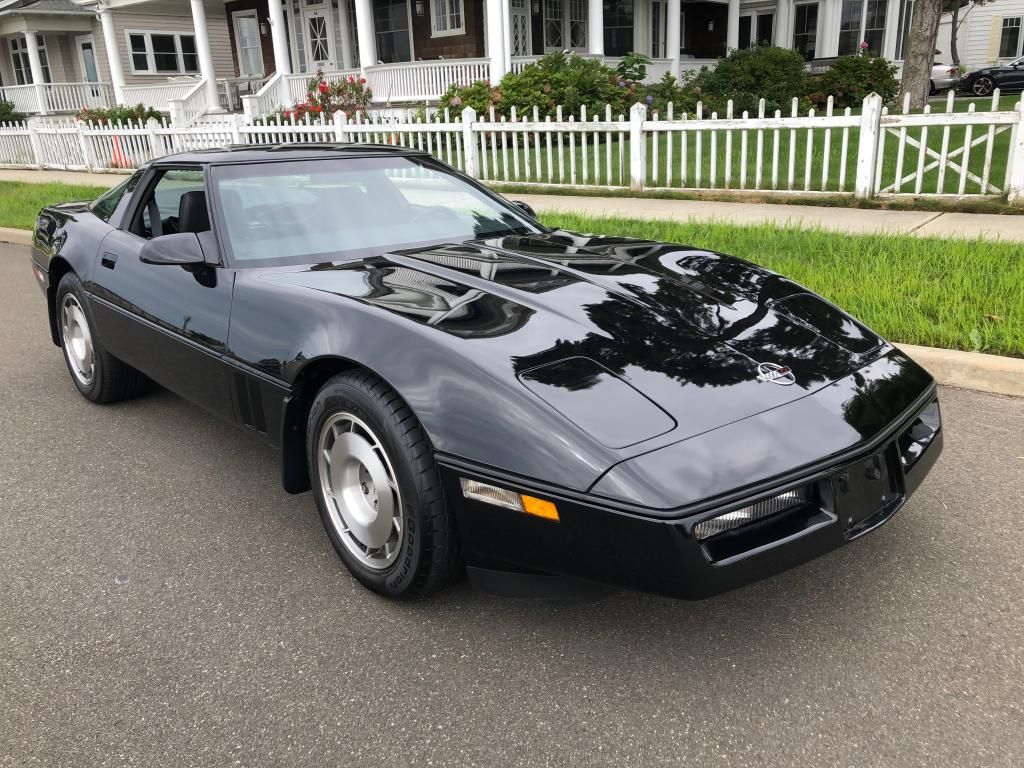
[8, 114]
[633, 67]
[852, 78]
[775, 74]
[323, 98]
[119, 114]
[659, 95]
[481, 96]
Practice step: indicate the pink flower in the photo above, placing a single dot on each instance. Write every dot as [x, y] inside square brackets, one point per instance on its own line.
[323, 87]
[362, 80]
[864, 45]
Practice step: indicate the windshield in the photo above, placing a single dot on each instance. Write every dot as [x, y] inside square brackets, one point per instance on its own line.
[306, 211]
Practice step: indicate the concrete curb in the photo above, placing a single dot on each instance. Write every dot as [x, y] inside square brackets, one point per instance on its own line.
[950, 367]
[971, 370]
[15, 236]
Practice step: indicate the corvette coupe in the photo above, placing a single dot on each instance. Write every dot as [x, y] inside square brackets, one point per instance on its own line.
[461, 386]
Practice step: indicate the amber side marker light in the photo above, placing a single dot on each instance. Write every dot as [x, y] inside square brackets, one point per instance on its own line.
[500, 497]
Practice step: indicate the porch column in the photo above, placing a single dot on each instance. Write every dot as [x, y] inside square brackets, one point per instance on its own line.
[282, 62]
[495, 35]
[346, 36]
[673, 41]
[113, 55]
[595, 27]
[205, 56]
[364, 31]
[732, 26]
[782, 22]
[36, 66]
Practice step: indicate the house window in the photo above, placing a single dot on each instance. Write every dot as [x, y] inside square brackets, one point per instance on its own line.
[577, 23]
[874, 26]
[162, 53]
[1010, 39]
[248, 45]
[618, 27]
[903, 27]
[391, 29]
[22, 66]
[805, 29]
[553, 24]
[446, 18]
[756, 29]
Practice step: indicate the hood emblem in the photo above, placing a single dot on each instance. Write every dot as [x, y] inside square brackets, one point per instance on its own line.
[776, 374]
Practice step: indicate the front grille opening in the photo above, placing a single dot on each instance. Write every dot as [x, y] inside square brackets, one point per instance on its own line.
[751, 528]
[914, 440]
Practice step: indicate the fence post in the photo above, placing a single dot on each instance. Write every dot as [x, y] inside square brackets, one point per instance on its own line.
[236, 126]
[83, 143]
[177, 109]
[469, 146]
[340, 121]
[867, 146]
[33, 140]
[1015, 164]
[637, 147]
[154, 140]
[250, 107]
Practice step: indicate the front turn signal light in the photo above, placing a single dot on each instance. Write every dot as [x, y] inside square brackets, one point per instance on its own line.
[501, 497]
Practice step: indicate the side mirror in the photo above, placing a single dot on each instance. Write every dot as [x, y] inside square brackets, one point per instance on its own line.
[525, 208]
[179, 248]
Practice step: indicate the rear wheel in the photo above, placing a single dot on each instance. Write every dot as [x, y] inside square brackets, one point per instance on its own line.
[98, 375]
[377, 488]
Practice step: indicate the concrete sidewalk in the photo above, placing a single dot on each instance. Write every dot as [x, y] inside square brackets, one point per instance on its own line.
[853, 220]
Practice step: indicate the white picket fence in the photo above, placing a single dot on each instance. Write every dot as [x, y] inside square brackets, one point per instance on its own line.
[874, 152]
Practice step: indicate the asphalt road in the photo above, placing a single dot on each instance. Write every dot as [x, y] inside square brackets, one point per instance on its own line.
[164, 603]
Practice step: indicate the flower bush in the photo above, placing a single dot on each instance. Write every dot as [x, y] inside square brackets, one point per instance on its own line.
[775, 74]
[323, 98]
[120, 114]
[852, 78]
[8, 114]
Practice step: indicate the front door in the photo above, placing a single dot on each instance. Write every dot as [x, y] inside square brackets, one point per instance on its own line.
[520, 22]
[90, 72]
[168, 321]
[318, 27]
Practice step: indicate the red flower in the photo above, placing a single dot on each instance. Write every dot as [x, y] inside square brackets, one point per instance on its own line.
[323, 87]
[362, 80]
[287, 114]
[351, 79]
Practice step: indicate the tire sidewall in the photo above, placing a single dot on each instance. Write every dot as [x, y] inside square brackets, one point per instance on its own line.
[399, 577]
[71, 284]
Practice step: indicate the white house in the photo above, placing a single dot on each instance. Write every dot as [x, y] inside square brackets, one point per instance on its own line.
[58, 55]
[992, 33]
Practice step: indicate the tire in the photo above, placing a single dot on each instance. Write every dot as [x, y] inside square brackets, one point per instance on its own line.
[983, 86]
[932, 90]
[377, 488]
[98, 375]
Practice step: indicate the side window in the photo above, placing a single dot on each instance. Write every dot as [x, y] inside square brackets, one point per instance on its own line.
[105, 205]
[177, 203]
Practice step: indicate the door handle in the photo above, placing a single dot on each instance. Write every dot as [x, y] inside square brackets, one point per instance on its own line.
[109, 260]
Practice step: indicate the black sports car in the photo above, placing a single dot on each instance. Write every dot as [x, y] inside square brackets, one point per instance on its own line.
[1006, 77]
[459, 384]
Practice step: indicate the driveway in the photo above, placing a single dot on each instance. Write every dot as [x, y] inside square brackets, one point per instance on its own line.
[164, 603]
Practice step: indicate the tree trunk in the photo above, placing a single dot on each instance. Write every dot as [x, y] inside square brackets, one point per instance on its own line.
[954, 29]
[917, 64]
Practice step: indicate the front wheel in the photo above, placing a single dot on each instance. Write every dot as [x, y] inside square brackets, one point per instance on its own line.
[98, 375]
[377, 488]
[983, 86]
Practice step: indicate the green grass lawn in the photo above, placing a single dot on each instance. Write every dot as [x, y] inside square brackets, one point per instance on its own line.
[945, 293]
[956, 294]
[21, 201]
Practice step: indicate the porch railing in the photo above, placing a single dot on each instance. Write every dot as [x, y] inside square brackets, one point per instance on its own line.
[158, 96]
[190, 107]
[57, 97]
[423, 80]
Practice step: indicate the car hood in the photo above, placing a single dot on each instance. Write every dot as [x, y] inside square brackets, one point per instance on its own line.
[564, 314]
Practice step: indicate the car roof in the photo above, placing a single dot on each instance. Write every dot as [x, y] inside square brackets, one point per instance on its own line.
[247, 153]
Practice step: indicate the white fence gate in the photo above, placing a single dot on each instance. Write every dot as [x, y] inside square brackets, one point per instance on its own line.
[870, 152]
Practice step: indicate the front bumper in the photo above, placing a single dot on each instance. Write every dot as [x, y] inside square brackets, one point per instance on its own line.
[615, 545]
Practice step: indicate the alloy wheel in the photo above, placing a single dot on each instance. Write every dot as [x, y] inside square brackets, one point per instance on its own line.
[983, 86]
[360, 490]
[77, 340]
